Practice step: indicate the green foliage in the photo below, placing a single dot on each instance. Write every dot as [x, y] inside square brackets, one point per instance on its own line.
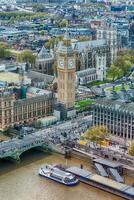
[4, 52]
[52, 41]
[26, 56]
[131, 149]
[63, 23]
[82, 137]
[20, 16]
[118, 87]
[123, 64]
[97, 133]
[114, 72]
[42, 32]
[98, 82]
[84, 38]
[83, 104]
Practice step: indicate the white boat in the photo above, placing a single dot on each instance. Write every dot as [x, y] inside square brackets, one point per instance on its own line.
[58, 175]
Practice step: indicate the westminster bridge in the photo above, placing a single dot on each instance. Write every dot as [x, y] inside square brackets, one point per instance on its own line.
[48, 138]
[13, 148]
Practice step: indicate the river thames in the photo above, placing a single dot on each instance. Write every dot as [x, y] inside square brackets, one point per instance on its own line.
[21, 181]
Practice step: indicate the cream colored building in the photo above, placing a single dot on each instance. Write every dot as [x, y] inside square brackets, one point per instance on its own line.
[19, 111]
[66, 73]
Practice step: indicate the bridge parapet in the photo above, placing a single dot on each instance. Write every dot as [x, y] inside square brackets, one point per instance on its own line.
[15, 147]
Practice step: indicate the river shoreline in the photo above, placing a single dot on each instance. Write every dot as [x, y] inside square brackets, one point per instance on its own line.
[21, 181]
[41, 155]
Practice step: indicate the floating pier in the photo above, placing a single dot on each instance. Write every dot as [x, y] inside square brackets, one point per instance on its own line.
[114, 173]
[106, 184]
[100, 169]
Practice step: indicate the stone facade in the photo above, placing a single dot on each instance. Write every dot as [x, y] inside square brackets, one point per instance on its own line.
[93, 54]
[44, 62]
[117, 115]
[66, 73]
[99, 53]
[110, 35]
[86, 76]
[26, 110]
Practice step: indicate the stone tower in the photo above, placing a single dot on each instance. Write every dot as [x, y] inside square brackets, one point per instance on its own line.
[66, 73]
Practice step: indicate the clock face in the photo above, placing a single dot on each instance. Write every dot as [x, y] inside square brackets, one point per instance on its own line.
[61, 63]
[71, 63]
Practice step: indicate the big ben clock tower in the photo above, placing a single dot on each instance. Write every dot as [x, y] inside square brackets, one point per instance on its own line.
[66, 75]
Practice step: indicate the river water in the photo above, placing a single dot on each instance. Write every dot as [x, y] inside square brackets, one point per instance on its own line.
[21, 182]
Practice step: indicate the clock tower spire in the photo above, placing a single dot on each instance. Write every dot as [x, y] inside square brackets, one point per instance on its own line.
[66, 73]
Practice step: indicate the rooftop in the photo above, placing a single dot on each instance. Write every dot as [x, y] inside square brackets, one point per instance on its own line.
[116, 104]
[44, 54]
[9, 77]
[79, 171]
[39, 77]
[107, 163]
[81, 46]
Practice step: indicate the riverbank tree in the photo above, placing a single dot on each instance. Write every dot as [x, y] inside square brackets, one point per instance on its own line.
[131, 149]
[97, 134]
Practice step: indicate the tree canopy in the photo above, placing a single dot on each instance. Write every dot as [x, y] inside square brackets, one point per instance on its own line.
[84, 38]
[114, 72]
[52, 41]
[121, 64]
[21, 16]
[63, 23]
[97, 133]
[26, 56]
[131, 149]
[4, 52]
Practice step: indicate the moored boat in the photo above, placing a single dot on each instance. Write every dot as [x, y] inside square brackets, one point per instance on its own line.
[58, 175]
[106, 184]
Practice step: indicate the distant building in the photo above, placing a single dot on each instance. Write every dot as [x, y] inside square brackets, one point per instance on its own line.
[131, 35]
[66, 73]
[73, 32]
[86, 76]
[66, 78]
[109, 34]
[39, 80]
[93, 54]
[117, 115]
[44, 62]
[19, 111]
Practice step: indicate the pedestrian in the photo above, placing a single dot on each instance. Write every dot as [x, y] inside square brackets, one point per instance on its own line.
[81, 166]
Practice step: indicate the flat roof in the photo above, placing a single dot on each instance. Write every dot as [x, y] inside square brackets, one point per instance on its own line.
[101, 170]
[78, 171]
[130, 190]
[9, 77]
[108, 182]
[107, 162]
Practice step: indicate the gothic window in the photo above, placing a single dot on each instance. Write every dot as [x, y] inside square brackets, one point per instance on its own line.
[99, 61]
[99, 34]
[40, 67]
